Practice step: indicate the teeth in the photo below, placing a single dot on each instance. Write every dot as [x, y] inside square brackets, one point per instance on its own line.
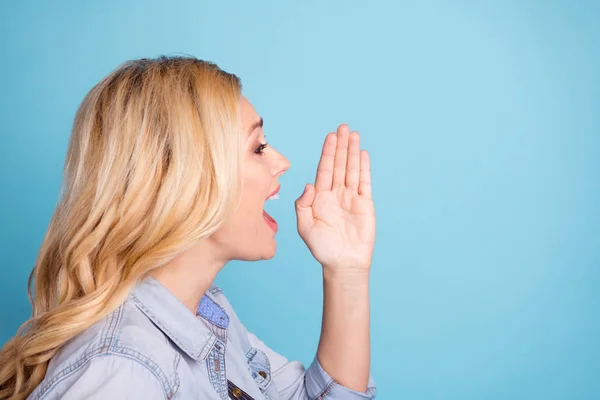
[274, 197]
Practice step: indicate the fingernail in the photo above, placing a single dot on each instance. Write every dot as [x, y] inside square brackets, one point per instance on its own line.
[305, 188]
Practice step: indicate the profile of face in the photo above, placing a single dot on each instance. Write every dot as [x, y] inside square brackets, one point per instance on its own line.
[249, 234]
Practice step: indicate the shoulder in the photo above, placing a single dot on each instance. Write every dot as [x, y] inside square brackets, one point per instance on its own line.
[126, 348]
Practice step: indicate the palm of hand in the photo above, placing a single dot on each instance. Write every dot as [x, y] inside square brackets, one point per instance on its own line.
[336, 217]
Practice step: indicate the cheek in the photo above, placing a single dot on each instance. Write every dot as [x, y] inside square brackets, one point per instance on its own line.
[246, 234]
[248, 218]
[248, 213]
[256, 185]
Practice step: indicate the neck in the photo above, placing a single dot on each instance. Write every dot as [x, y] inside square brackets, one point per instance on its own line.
[189, 275]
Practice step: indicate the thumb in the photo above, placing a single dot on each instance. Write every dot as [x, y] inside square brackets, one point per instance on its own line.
[304, 208]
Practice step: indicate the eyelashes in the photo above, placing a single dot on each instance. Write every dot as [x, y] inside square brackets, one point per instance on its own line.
[260, 148]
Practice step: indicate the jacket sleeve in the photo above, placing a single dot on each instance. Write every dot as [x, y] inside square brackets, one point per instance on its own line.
[294, 382]
[107, 377]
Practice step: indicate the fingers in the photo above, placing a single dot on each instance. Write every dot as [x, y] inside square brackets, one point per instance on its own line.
[343, 163]
[364, 188]
[324, 177]
[304, 212]
[341, 156]
[353, 165]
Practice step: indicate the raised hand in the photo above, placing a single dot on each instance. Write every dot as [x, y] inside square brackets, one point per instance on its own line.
[336, 216]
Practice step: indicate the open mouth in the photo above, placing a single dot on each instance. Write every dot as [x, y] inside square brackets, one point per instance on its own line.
[268, 219]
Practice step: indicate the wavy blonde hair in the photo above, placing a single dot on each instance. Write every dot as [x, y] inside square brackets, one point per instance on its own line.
[152, 167]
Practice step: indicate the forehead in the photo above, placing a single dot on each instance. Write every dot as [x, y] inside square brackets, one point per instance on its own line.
[249, 114]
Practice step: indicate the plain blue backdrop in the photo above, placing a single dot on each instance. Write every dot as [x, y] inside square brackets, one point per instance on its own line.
[482, 120]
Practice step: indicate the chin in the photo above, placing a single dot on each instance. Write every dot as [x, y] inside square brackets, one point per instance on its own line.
[268, 257]
[265, 253]
[270, 250]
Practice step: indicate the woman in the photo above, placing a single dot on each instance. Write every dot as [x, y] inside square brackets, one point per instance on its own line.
[165, 180]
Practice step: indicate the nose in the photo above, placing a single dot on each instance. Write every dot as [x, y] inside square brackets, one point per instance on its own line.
[281, 164]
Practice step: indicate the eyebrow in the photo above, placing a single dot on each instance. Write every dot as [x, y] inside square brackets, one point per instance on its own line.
[258, 124]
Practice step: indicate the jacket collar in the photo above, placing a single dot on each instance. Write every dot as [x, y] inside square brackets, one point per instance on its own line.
[193, 335]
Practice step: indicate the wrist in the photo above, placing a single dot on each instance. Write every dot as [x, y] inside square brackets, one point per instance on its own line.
[358, 275]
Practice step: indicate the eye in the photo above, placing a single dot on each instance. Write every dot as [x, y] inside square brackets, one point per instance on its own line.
[260, 148]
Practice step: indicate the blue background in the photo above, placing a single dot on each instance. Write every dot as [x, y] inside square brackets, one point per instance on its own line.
[482, 120]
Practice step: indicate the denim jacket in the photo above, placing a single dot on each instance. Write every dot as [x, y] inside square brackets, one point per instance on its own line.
[153, 347]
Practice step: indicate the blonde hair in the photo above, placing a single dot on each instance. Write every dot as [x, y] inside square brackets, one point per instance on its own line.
[152, 167]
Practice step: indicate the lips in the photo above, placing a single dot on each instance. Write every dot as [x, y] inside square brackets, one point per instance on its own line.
[268, 219]
[274, 192]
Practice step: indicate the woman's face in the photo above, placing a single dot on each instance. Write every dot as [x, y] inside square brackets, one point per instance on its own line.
[250, 233]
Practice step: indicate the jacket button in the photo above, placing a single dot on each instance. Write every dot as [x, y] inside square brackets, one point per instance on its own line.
[263, 374]
[236, 392]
